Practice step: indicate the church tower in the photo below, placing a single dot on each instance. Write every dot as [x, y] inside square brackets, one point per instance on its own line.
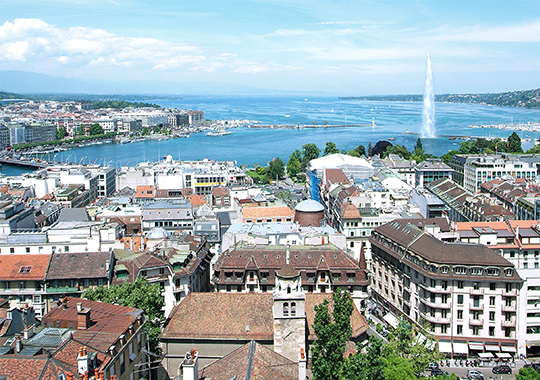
[289, 312]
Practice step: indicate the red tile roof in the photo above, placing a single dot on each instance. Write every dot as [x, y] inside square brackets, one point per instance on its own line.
[23, 267]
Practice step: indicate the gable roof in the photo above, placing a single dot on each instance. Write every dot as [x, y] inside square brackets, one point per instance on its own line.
[78, 265]
[239, 316]
[251, 361]
[23, 267]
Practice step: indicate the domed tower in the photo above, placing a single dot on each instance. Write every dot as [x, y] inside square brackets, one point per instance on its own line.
[289, 312]
[309, 213]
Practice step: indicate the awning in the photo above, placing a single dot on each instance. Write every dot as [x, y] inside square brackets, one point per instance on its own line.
[503, 355]
[445, 347]
[476, 346]
[461, 348]
[485, 355]
[508, 349]
[391, 320]
[492, 348]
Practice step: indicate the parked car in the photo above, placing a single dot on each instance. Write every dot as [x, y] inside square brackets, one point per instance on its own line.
[437, 372]
[503, 368]
[475, 374]
[433, 365]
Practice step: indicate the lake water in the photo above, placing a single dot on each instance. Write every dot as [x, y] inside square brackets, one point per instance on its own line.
[249, 146]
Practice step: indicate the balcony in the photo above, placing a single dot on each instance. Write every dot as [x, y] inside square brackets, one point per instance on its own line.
[435, 319]
[476, 322]
[510, 323]
[62, 290]
[476, 305]
[479, 291]
[509, 293]
[510, 308]
[435, 305]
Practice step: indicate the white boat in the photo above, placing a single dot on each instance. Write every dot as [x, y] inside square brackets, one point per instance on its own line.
[221, 132]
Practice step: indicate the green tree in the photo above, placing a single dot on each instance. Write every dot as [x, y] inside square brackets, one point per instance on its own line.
[469, 147]
[333, 331]
[330, 148]
[369, 150]
[361, 150]
[413, 344]
[527, 373]
[418, 148]
[156, 128]
[310, 152]
[96, 129]
[81, 131]
[447, 157]
[60, 133]
[293, 166]
[139, 294]
[514, 143]
[400, 150]
[276, 169]
[366, 365]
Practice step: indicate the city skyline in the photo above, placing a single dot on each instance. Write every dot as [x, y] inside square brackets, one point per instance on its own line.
[327, 47]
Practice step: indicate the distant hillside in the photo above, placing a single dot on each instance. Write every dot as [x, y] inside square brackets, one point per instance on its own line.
[525, 99]
[11, 95]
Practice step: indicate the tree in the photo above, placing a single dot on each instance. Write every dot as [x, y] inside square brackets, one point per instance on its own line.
[96, 129]
[333, 331]
[310, 152]
[514, 143]
[380, 148]
[139, 294]
[413, 344]
[361, 150]
[276, 169]
[60, 133]
[447, 157]
[366, 365]
[369, 150]
[82, 131]
[527, 373]
[418, 148]
[400, 150]
[293, 166]
[330, 148]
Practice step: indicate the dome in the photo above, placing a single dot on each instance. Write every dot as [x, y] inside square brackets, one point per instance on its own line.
[309, 205]
[157, 233]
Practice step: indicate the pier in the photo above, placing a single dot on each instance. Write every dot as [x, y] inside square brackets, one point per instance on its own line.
[26, 163]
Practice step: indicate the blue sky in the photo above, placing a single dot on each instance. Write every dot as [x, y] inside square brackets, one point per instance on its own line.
[335, 47]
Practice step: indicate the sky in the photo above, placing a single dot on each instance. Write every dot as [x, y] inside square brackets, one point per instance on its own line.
[355, 47]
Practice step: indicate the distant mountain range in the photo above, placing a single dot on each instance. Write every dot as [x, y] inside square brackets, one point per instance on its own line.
[526, 99]
[24, 82]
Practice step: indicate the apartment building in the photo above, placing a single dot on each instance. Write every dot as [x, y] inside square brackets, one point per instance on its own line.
[466, 293]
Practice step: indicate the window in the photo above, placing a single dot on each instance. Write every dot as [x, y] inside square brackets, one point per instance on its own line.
[508, 302]
[444, 269]
[476, 271]
[491, 315]
[444, 298]
[460, 329]
[508, 286]
[27, 249]
[492, 286]
[476, 285]
[491, 330]
[444, 329]
[507, 332]
[460, 270]
[460, 314]
[508, 272]
[286, 309]
[460, 284]
[293, 309]
[445, 285]
[492, 301]
[476, 330]
[460, 299]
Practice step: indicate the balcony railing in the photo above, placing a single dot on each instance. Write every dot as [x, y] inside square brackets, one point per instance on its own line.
[476, 306]
[476, 322]
[63, 289]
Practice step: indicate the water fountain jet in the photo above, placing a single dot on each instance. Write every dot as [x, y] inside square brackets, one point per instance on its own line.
[428, 116]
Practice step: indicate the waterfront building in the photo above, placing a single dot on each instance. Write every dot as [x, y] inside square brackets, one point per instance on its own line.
[405, 168]
[467, 293]
[108, 124]
[31, 133]
[5, 139]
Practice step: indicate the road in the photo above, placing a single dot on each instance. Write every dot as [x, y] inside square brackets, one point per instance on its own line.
[461, 372]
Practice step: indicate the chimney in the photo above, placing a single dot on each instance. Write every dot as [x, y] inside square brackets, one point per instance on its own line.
[302, 365]
[18, 344]
[82, 361]
[190, 366]
[83, 317]
[29, 332]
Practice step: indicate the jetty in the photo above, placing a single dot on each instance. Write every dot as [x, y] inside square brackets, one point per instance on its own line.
[23, 163]
[303, 126]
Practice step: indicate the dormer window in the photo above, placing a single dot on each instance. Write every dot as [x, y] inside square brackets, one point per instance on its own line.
[444, 269]
[460, 270]
[508, 272]
[476, 271]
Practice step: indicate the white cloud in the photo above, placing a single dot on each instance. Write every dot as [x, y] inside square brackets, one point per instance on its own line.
[529, 32]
